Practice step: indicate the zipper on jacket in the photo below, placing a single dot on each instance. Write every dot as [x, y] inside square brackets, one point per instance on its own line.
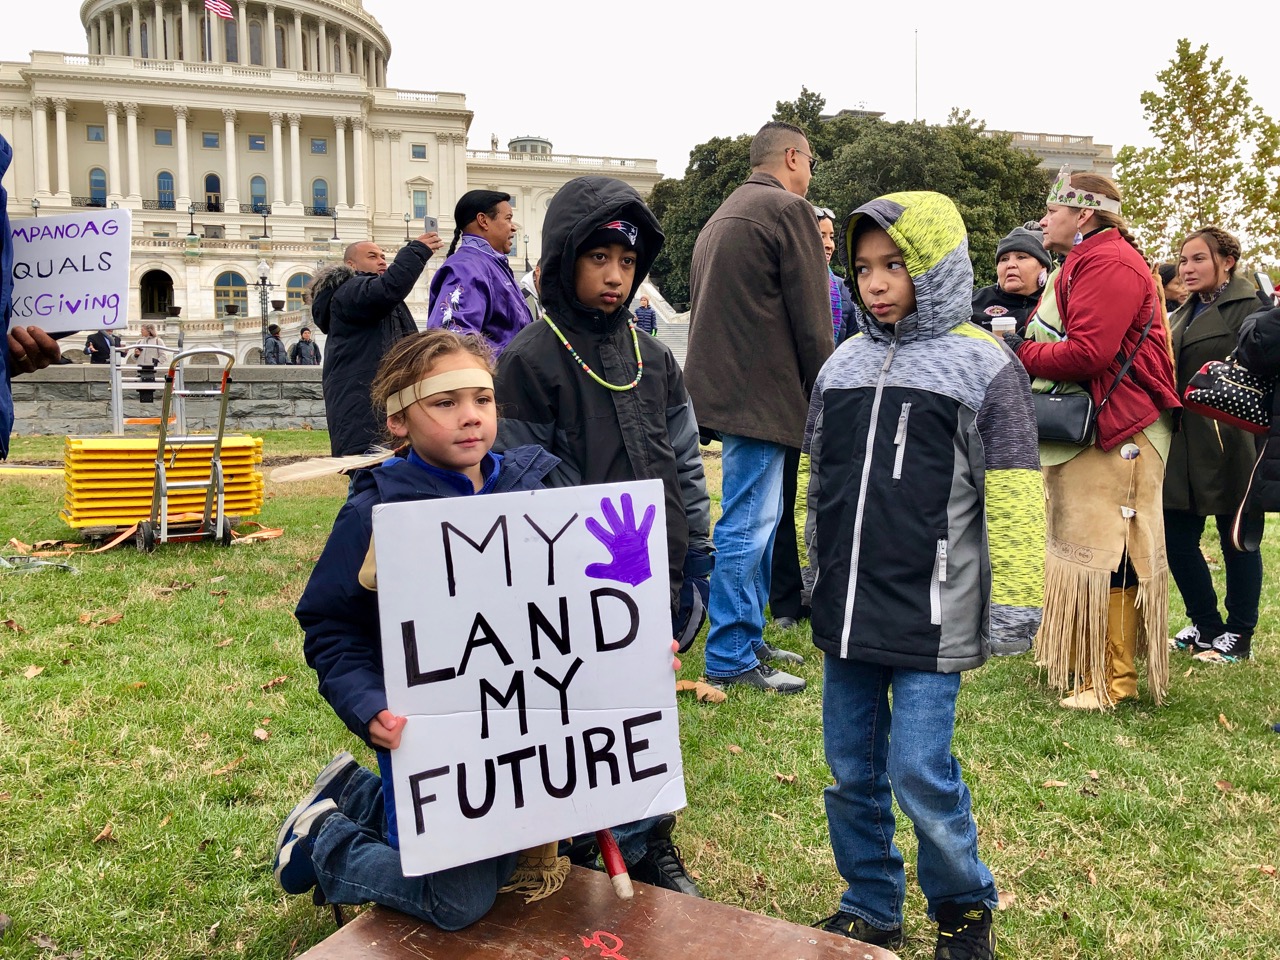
[900, 441]
[862, 503]
[935, 588]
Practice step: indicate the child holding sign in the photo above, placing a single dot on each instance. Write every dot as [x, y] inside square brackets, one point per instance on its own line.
[437, 389]
[612, 406]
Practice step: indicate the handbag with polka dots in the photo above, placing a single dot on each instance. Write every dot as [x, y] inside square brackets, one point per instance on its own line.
[1224, 390]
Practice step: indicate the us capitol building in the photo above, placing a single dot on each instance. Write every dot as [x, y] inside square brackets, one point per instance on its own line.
[251, 150]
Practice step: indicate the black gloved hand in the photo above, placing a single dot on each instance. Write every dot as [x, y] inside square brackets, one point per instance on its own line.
[1014, 342]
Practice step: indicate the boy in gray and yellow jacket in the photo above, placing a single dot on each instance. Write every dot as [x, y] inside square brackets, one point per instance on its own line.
[926, 526]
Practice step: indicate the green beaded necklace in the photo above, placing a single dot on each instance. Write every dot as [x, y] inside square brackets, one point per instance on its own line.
[635, 341]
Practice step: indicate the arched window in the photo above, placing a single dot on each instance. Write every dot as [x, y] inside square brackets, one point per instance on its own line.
[280, 46]
[258, 193]
[295, 288]
[320, 197]
[230, 289]
[164, 189]
[255, 42]
[336, 65]
[97, 188]
[144, 34]
[204, 39]
[213, 193]
[128, 42]
[232, 42]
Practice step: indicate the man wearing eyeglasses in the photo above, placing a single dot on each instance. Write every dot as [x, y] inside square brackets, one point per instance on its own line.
[759, 332]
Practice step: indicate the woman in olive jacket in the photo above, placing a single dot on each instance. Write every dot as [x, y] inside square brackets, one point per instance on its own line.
[1210, 462]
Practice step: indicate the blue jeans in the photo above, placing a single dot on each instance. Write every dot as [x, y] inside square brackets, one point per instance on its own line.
[871, 748]
[751, 502]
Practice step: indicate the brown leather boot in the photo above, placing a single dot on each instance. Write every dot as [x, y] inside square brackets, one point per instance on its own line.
[1122, 648]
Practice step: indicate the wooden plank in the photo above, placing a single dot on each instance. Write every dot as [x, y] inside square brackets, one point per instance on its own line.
[586, 921]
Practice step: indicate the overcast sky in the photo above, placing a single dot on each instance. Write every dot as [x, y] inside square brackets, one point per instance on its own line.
[652, 79]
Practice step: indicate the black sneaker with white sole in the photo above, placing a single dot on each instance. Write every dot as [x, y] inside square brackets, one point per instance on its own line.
[761, 677]
[1228, 648]
[855, 928]
[1191, 639]
[661, 866]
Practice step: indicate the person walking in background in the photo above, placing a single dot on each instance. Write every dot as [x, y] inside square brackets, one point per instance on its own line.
[1175, 291]
[1099, 329]
[1022, 267]
[759, 332]
[147, 357]
[273, 351]
[306, 352]
[646, 318]
[475, 291]
[98, 347]
[1209, 461]
[359, 305]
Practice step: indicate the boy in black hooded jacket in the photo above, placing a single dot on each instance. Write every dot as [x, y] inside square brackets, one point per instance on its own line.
[582, 383]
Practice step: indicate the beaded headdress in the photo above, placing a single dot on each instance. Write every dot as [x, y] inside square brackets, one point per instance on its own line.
[1062, 194]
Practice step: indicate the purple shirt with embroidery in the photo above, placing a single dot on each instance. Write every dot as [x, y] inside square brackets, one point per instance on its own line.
[474, 291]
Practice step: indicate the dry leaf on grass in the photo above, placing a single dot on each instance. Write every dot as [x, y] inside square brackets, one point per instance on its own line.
[105, 621]
[229, 767]
[5, 795]
[1267, 868]
[734, 748]
[19, 545]
[701, 690]
[1093, 877]
[165, 822]
[1226, 786]
[1190, 671]
[219, 593]
[1006, 899]
[106, 833]
[784, 777]
[138, 684]
[222, 643]
[218, 579]
[260, 734]
[1093, 774]
[1222, 719]
[15, 626]
[1055, 783]
[32, 672]
[175, 586]
[275, 682]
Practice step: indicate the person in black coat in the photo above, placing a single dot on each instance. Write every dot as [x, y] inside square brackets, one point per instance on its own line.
[98, 347]
[1022, 266]
[359, 306]
[1259, 351]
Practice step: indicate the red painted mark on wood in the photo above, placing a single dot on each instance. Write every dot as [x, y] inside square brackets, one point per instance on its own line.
[611, 951]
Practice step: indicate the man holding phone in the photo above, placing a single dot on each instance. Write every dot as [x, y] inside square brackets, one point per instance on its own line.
[474, 291]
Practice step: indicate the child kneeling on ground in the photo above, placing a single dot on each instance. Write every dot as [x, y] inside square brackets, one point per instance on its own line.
[926, 522]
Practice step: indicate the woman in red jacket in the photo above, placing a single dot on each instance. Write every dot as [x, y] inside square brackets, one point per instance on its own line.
[1106, 575]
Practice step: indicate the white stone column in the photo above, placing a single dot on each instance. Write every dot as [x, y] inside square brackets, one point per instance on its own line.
[242, 35]
[344, 60]
[188, 51]
[219, 36]
[277, 161]
[322, 61]
[95, 38]
[295, 160]
[297, 40]
[135, 31]
[117, 32]
[231, 185]
[181, 111]
[131, 145]
[397, 200]
[6, 131]
[155, 38]
[340, 139]
[24, 171]
[357, 143]
[363, 68]
[444, 173]
[114, 193]
[381, 200]
[382, 71]
[64, 160]
[269, 54]
[40, 134]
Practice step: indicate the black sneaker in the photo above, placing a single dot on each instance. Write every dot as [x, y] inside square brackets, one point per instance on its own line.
[762, 677]
[293, 867]
[582, 851]
[965, 932]
[661, 865]
[855, 928]
[1188, 638]
[768, 653]
[1227, 648]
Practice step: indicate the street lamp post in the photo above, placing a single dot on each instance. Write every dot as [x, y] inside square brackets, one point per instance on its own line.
[406, 228]
[266, 212]
[527, 268]
[334, 214]
[35, 205]
[191, 214]
[264, 285]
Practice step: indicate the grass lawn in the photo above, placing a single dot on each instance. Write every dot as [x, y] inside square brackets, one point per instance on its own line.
[139, 799]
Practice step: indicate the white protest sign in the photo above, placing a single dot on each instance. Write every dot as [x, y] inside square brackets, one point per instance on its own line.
[527, 638]
[72, 272]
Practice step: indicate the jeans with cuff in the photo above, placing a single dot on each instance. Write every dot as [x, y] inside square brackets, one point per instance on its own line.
[1182, 532]
[751, 502]
[871, 749]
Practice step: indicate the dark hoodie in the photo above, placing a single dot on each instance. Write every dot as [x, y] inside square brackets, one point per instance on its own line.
[600, 435]
[362, 314]
[6, 292]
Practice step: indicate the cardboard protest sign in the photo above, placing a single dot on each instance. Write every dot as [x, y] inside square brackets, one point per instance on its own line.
[527, 638]
[72, 272]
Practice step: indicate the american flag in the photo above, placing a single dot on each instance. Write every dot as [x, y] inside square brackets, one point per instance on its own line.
[220, 8]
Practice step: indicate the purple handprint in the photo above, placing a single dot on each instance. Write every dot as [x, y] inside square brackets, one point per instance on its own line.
[627, 543]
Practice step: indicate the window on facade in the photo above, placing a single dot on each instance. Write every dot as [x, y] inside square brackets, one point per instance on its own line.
[232, 42]
[164, 138]
[97, 188]
[257, 142]
[203, 33]
[95, 133]
[210, 141]
[128, 42]
[418, 151]
[419, 204]
[230, 288]
[320, 197]
[336, 65]
[280, 47]
[164, 189]
[258, 193]
[213, 193]
[319, 145]
[144, 34]
[255, 42]
[295, 288]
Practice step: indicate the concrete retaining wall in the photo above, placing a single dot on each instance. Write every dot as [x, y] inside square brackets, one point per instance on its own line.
[75, 400]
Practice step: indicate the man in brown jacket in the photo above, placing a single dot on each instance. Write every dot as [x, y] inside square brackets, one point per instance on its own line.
[759, 333]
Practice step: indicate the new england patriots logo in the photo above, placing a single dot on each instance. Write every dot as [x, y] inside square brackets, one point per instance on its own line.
[624, 228]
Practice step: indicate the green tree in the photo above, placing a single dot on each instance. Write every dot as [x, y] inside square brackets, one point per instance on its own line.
[1216, 160]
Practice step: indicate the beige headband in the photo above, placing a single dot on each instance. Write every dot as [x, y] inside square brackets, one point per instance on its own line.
[440, 383]
[1062, 194]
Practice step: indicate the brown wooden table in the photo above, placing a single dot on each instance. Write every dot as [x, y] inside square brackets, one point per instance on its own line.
[586, 921]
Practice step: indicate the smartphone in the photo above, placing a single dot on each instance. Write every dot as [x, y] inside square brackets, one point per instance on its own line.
[1266, 289]
[430, 225]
